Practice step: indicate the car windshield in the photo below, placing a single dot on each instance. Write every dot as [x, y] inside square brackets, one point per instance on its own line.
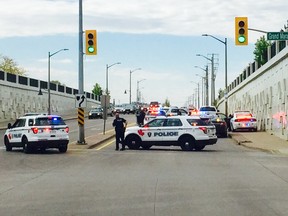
[44, 121]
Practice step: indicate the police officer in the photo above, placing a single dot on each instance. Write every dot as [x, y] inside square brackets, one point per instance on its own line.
[120, 126]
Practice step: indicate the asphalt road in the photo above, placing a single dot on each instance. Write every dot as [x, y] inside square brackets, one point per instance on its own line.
[223, 179]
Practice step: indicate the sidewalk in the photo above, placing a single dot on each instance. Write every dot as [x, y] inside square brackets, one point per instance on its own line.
[261, 141]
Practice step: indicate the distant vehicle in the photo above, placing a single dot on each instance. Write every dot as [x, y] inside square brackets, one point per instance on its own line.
[176, 112]
[119, 109]
[220, 122]
[35, 132]
[188, 132]
[243, 120]
[95, 113]
[129, 108]
[207, 111]
[154, 107]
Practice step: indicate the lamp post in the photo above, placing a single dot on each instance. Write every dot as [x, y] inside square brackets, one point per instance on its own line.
[202, 89]
[138, 81]
[198, 94]
[48, 87]
[226, 85]
[105, 96]
[212, 76]
[207, 84]
[107, 67]
[131, 71]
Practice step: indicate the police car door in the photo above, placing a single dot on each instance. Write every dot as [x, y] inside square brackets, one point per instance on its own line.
[152, 130]
[172, 129]
[15, 133]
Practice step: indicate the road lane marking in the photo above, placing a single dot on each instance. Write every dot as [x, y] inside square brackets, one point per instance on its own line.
[105, 145]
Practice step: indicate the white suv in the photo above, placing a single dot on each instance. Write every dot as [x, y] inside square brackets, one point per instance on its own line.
[34, 132]
[188, 132]
[208, 111]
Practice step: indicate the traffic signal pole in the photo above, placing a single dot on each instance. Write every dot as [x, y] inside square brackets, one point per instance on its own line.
[81, 139]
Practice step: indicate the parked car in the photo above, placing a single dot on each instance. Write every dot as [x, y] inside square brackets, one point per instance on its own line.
[220, 122]
[118, 108]
[243, 121]
[95, 113]
[33, 132]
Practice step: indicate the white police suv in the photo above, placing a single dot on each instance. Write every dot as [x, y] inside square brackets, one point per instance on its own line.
[33, 132]
[188, 132]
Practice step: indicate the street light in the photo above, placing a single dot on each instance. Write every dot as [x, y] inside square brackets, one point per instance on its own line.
[202, 88]
[212, 76]
[107, 67]
[226, 85]
[198, 96]
[49, 95]
[207, 84]
[138, 81]
[131, 71]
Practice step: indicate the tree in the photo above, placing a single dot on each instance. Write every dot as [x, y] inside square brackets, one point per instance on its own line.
[166, 103]
[260, 51]
[97, 90]
[56, 82]
[10, 66]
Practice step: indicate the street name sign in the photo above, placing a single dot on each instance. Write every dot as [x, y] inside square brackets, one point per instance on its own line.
[277, 35]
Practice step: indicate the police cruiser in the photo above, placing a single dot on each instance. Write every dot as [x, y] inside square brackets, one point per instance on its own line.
[188, 132]
[33, 132]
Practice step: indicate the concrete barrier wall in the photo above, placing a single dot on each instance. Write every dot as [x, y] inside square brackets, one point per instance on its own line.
[264, 91]
[17, 99]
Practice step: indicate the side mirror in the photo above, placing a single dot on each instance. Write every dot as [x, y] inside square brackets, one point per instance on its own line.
[9, 126]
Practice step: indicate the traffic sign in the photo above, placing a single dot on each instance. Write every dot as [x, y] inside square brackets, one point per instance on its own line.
[80, 101]
[277, 35]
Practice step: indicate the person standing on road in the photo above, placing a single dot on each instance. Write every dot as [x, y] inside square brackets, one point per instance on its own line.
[120, 126]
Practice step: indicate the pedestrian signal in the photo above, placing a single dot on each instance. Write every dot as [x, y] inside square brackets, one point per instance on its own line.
[241, 31]
[91, 42]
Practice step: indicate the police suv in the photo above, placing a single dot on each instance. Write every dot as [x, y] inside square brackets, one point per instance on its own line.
[33, 132]
[188, 132]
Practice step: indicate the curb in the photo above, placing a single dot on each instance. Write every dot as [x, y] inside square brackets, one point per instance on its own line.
[100, 142]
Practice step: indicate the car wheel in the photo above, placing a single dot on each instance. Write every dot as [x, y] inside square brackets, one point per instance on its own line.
[63, 148]
[7, 144]
[133, 142]
[26, 147]
[187, 143]
[199, 147]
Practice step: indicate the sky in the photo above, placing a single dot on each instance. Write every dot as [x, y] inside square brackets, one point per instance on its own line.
[162, 37]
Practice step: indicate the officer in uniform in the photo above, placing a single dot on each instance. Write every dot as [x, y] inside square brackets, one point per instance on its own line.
[120, 126]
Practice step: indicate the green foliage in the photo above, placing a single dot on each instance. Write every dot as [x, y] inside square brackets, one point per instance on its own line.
[97, 90]
[56, 82]
[260, 51]
[10, 66]
[166, 103]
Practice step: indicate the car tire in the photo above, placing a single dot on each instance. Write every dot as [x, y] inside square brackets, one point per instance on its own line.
[7, 144]
[26, 146]
[187, 143]
[63, 148]
[133, 142]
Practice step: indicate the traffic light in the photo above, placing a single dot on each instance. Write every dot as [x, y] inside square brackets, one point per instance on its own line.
[91, 42]
[241, 31]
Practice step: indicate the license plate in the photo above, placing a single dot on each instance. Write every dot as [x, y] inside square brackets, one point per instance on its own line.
[53, 132]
